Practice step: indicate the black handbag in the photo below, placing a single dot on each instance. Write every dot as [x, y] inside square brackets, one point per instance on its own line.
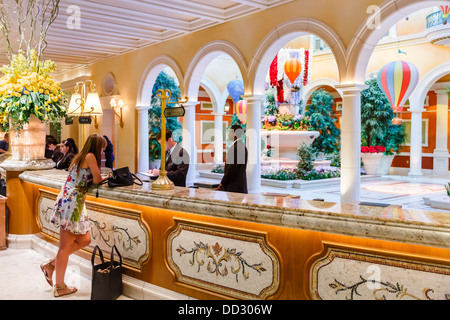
[106, 277]
[121, 177]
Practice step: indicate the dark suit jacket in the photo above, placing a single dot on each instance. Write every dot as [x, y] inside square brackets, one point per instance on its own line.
[235, 174]
[64, 162]
[177, 166]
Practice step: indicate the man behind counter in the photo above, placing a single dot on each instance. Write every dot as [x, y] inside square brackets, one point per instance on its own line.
[235, 173]
[177, 161]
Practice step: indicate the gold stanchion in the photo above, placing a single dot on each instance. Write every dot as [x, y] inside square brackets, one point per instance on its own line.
[163, 182]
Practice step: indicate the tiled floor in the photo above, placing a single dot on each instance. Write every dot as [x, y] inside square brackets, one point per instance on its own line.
[22, 279]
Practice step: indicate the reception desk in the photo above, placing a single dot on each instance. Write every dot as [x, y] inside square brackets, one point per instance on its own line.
[208, 244]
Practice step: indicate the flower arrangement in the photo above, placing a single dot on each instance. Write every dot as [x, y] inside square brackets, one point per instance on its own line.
[285, 121]
[373, 149]
[447, 188]
[26, 88]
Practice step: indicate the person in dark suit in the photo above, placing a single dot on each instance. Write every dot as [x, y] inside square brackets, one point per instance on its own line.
[109, 153]
[68, 152]
[50, 146]
[235, 173]
[177, 161]
[4, 144]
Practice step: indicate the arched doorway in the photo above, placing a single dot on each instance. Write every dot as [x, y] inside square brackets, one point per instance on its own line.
[259, 68]
[195, 79]
[144, 102]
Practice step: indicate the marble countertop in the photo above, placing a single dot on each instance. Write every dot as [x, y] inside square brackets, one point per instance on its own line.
[383, 223]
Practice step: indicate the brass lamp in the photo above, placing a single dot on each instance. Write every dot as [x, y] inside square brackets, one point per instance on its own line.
[163, 182]
[85, 102]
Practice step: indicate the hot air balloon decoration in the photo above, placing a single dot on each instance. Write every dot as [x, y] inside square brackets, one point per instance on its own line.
[397, 80]
[292, 69]
[235, 89]
[445, 11]
[240, 108]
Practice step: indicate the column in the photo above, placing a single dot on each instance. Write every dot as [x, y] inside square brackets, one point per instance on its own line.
[253, 141]
[440, 161]
[218, 138]
[351, 142]
[415, 153]
[189, 139]
[143, 152]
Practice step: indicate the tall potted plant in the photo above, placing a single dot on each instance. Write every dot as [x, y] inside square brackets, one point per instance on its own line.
[380, 139]
[29, 95]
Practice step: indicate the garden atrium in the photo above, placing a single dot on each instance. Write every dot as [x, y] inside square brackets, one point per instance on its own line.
[342, 110]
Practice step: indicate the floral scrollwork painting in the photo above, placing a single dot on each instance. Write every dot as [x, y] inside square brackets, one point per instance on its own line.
[344, 273]
[236, 263]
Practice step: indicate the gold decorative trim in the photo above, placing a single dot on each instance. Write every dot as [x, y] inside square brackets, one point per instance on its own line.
[223, 266]
[125, 238]
[376, 259]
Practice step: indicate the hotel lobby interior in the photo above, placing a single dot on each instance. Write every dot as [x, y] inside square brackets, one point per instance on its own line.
[344, 107]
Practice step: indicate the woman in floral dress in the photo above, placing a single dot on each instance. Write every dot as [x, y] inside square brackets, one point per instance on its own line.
[69, 213]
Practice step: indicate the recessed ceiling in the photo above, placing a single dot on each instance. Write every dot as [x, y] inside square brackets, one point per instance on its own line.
[112, 27]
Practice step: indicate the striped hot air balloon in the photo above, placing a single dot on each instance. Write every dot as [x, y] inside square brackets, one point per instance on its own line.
[240, 108]
[398, 79]
[292, 69]
[445, 11]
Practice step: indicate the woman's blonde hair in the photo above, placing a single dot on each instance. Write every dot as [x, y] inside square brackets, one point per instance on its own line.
[94, 144]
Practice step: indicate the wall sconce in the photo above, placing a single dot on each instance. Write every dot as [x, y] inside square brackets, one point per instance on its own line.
[117, 105]
[227, 107]
[85, 102]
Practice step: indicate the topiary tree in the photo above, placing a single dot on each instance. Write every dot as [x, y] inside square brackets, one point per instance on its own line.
[322, 119]
[163, 81]
[376, 120]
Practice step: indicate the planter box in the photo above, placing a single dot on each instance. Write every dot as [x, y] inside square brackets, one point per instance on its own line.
[376, 163]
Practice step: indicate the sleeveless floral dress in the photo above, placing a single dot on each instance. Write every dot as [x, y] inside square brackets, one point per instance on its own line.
[69, 211]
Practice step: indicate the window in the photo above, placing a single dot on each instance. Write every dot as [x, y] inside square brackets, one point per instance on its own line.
[207, 132]
[407, 125]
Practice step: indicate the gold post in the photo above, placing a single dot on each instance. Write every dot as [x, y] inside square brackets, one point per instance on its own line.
[163, 182]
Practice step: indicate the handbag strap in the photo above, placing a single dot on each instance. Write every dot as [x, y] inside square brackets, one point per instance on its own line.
[100, 254]
[140, 181]
[98, 185]
[112, 255]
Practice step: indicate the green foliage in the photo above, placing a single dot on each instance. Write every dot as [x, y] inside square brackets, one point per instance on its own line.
[282, 174]
[306, 154]
[376, 120]
[163, 81]
[321, 116]
[271, 108]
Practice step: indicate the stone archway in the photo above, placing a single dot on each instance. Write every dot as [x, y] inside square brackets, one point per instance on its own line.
[367, 38]
[143, 103]
[259, 66]
[192, 82]
[281, 35]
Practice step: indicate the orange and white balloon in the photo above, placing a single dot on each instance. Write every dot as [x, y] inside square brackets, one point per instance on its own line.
[292, 69]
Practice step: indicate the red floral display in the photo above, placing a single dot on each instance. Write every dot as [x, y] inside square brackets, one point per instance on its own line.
[373, 149]
[273, 73]
[305, 75]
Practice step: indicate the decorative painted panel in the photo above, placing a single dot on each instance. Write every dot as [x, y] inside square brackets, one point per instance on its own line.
[346, 273]
[109, 226]
[235, 262]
